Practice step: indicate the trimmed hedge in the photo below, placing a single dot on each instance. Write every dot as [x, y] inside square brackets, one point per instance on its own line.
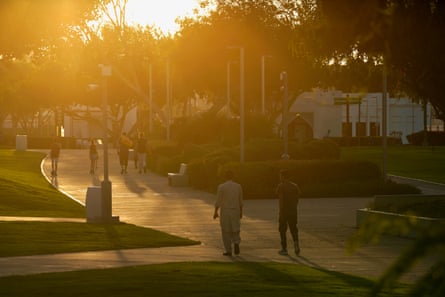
[167, 157]
[316, 178]
[432, 138]
[315, 167]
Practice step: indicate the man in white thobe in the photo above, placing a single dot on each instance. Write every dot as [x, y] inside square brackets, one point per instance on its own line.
[229, 200]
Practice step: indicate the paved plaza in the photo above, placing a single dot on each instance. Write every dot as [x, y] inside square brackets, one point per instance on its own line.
[147, 200]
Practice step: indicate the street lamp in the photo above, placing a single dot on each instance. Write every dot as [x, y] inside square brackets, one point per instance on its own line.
[263, 78]
[384, 119]
[106, 183]
[241, 70]
[283, 78]
[168, 95]
[150, 99]
[228, 85]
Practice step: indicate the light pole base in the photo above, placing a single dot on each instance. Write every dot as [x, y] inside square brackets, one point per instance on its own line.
[106, 202]
[110, 220]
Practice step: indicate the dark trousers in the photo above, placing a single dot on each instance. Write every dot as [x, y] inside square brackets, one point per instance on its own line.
[285, 221]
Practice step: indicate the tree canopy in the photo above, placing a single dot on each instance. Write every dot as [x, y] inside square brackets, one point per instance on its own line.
[408, 35]
[319, 43]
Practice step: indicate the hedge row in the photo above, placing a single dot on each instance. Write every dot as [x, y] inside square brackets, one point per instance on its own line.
[316, 178]
[315, 167]
[166, 157]
[430, 138]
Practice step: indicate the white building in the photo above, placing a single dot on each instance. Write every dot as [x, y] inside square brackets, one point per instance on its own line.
[320, 113]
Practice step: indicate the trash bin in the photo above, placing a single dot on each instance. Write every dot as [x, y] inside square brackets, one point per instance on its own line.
[93, 204]
[21, 142]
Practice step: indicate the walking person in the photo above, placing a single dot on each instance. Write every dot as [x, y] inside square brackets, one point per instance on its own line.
[54, 155]
[229, 200]
[288, 194]
[94, 156]
[124, 150]
[135, 154]
[141, 152]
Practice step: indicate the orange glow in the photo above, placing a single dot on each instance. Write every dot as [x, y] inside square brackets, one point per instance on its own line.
[160, 14]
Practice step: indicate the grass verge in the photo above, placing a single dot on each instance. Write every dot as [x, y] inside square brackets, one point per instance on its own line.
[194, 279]
[36, 238]
[25, 192]
[422, 162]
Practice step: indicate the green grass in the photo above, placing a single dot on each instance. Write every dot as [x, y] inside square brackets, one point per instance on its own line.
[194, 279]
[34, 238]
[25, 192]
[420, 162]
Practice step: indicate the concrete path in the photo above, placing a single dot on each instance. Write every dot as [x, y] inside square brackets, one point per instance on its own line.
[146, 200]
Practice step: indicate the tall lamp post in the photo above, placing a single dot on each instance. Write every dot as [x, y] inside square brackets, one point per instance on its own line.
[263, 83]
[241, 70]
[384, 120]
[168, 97]
[106, 195]
[228, 85]
[150, 99]
[283, 78]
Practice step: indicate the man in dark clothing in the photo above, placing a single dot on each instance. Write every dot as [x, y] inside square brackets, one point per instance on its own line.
[288, 194]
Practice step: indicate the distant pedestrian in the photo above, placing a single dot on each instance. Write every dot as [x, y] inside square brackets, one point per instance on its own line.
[124, 150]
[135, 154]
[141, 152]
[229, 200]
[94, 156]
[288, 194]
[54, 155]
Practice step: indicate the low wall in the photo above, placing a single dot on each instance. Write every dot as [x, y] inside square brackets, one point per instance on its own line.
[398, 224]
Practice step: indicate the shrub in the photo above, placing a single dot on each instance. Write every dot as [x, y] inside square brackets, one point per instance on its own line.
[203, 172]
[316, 149]
[164, 157]
[431, 137]
[316, 178]
[211, 127]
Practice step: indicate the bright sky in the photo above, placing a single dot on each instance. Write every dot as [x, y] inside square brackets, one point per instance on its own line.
[159, 13]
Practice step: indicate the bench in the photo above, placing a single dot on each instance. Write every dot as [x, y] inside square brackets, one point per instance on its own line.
[180, 179]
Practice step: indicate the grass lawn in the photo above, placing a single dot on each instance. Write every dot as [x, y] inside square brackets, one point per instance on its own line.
[194, 279]
[420, 162]
[25, 192]
[35, 238]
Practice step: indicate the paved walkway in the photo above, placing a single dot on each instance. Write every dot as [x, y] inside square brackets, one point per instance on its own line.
[147, 200]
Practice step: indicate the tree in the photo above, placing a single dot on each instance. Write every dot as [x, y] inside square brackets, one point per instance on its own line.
[129, 51]
[30, 33]
[27, 25]
[202, 51]
[408, 35]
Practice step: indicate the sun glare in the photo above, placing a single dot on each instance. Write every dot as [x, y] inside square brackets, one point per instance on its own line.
[159, 13]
